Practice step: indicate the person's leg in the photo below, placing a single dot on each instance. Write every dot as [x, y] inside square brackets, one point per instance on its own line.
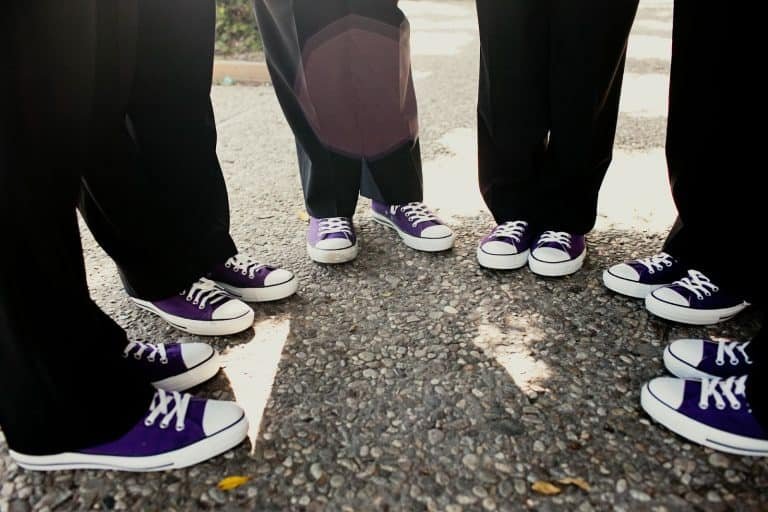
[159, 204]
[587, 47]
[60, 366]
[714, 184]
[513, 106]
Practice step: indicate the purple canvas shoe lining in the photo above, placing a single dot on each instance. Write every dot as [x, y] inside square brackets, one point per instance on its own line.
[156, 368]
[575, 248]
[664, 270]
[143, 440]
[241, 274]
[315, 226]
[522, 243]
[701, 293]
[411, 218]
[740, 422]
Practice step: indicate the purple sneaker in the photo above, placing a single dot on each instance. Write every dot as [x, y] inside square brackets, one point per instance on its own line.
[694, 300]
[638, 278]
[419, 228]
[202, 309]
[174, 366]
[686, 408]
[251, 281]
[707, 359]
[331, 240]
[178, 431]
[557, 254]
[507, 247]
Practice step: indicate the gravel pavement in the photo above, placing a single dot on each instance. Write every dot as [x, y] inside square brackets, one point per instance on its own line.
[408, 381]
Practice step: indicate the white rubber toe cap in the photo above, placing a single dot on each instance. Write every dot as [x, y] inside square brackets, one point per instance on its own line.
[440, 231]
[219, 415]
[550, 255]
[333, 244]
[688, 350]
[499, 248]
[624, 271]
[670, 296]
[231, 309]
[278, 276]
[195, 353]
[668, 390]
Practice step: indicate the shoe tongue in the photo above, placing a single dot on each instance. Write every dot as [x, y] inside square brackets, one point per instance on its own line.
[335, 234]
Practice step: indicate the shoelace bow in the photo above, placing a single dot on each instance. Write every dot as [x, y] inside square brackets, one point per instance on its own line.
[722, 390]
[512, 229]
[335, 225]
[559, 237]
[729, 349]
[168, 405]
[244, 264]
[698, 283]
[657, 262]
[416, 213]
[150, 350]
[205, 292]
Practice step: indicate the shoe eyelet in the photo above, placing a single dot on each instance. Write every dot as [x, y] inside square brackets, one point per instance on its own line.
[700, 297]
[651, 271]
[227, 265]
[164, 361]
[125, 356]
[735, 407]
[195, 302]
[163, 425]
[151, 359]
[708, 294]
[137, 356]
[716, 289]
[201, 307]
[719, 363]
[148, 423]
[179, 428]
[703, 407]
[720, 407]
[734, 361]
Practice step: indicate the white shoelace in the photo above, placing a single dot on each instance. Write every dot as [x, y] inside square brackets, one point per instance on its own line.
[335, 225]
[150, 350]
[168, 405]
[729, 349]
[244, 264]
[559, 237]
[657, 262]
[698, 283]
[416, 213]
[723, 390]
[513, 229]
[205, 292]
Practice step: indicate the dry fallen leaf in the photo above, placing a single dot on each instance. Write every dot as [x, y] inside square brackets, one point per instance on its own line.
[578, 482]
[301, 214]
[232, 482]
[545, 488]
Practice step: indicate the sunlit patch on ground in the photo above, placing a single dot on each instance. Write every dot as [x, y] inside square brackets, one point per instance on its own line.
[635, 194]
[251, 369]
[512, 348]
[438, 28]
[649, 47]
[645, 95]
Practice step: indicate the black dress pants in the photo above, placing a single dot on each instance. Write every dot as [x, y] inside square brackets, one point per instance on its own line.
[550, 80]
[159, 204]
[713, 163]
[105, 106]
[64, 383]
[342, 73]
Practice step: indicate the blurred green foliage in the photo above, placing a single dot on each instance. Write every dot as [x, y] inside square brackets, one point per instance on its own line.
[236, 32]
